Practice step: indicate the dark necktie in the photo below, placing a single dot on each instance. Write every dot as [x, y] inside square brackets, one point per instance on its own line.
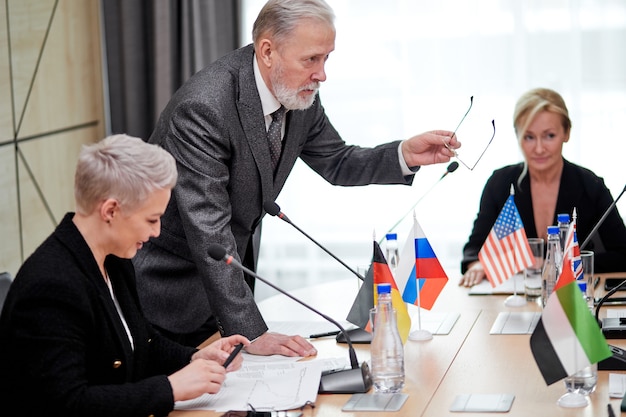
[274, 133]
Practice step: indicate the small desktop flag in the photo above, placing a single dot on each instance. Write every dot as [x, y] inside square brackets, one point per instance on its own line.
[506, 250]
[419, 273]
[567, 337]
[359, 313]
[572, 248]
[383, 275]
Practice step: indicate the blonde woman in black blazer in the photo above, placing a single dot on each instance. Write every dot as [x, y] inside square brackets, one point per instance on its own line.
[73, 338]
[545, 185]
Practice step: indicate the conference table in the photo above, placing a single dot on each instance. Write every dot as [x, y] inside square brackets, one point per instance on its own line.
[467, 360]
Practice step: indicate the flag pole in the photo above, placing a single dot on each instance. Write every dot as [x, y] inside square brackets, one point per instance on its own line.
[572, 398]
[514, 300]
[420, 334]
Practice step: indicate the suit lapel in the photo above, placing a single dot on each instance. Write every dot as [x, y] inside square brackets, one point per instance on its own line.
[253, 122]
[69, 235]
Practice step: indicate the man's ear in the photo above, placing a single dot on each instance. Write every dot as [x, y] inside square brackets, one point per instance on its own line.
[265, 51]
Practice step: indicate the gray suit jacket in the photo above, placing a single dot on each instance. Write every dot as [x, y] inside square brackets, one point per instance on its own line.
[215, 129]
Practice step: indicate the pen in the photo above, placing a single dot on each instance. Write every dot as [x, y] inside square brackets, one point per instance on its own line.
[596, 282]
[610, 408]
[315, 336]
[233, 354]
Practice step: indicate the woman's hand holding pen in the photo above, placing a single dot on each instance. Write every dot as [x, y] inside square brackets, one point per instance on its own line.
[207, 370]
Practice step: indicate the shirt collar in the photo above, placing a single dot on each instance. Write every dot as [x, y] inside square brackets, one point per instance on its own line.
[268, 101]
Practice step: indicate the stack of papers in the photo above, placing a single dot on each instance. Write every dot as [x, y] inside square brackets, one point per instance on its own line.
[265, 384]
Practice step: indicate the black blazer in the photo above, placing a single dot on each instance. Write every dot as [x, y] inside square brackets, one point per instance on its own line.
[579, 188]
[63, 346]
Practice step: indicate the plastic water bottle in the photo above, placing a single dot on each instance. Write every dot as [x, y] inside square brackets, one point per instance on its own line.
[552, 265]
[562, 221]
[387, 352]
[392, 250]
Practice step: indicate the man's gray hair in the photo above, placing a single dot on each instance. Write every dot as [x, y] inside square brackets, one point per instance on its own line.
[124, 168]
[278, 18]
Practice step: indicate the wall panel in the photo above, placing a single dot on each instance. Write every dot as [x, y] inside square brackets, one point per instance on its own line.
[51, 104]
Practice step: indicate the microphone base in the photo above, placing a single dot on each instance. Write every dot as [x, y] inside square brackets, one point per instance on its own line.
[617, 362]
[613, 328]
[347, 381]
[357, 335]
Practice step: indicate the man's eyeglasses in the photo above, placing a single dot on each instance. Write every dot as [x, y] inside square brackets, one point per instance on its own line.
[493, 123]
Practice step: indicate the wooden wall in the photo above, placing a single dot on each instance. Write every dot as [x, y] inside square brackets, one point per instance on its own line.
[51, 102]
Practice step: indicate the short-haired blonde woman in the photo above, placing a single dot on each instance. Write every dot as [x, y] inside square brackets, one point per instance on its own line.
[546, 184]
[73, 339]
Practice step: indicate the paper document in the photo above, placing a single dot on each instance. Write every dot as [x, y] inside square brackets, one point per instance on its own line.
[507, 287]
[521, 322]
[617, 385]
[434, 322]
[263, 386]
[616, 313]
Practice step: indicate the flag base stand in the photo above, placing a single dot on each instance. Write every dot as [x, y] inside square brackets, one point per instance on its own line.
[515, 301]
[420, 335]
[573, 400]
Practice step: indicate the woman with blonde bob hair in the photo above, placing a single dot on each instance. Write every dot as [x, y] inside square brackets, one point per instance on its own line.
[546, 184]
[72, 332]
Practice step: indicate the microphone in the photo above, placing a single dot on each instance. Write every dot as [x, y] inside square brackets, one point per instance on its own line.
[273, 209]
[452, 166]
[604, 216]
[612, 328]
[346, 381]
[357, 335]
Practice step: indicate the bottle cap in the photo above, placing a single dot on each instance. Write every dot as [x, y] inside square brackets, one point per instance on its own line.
[391, 236]
[553, 230]
[383, 288]
[562, 218]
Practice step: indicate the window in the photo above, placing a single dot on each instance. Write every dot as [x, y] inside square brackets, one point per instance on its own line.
[403, 67]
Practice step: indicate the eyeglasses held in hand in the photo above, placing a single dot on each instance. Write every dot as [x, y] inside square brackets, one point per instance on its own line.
[456, 154]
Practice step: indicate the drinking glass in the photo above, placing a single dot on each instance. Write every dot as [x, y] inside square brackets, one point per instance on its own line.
[532, 274]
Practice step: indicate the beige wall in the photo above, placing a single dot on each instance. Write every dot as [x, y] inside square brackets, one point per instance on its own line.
[51, 102]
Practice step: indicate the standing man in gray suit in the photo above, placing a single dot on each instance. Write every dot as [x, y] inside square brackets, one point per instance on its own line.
[217, 127]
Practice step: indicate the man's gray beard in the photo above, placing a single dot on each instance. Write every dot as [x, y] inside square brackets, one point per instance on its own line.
[289, 97]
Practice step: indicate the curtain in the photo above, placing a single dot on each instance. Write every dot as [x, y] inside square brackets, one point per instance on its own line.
[153, 46]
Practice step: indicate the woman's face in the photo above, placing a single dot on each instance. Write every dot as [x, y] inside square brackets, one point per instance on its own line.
[542, 143]
[132, 229]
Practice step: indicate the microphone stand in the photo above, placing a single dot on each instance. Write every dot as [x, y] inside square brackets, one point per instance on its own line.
[345, 381]
[357, 335]
[273, 209]
[604, 216]
[451, 168]
[617, 362]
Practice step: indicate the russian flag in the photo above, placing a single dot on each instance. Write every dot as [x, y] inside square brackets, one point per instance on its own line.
[419, 273]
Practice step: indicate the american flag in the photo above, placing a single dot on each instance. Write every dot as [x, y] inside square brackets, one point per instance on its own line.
[506, 250]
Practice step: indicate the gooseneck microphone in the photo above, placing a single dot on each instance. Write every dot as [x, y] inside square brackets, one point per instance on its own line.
[347, 381]
[604, 216]
[452, 166]
[612, 328]
[273, 209]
